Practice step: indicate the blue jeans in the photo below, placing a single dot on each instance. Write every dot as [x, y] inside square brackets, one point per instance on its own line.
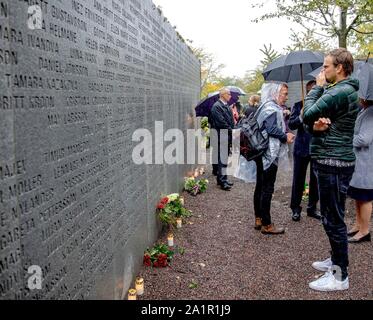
[333, 183]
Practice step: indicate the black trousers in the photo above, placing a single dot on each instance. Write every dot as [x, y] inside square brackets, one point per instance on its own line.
[220, 158]
[333, 183]
[215, 168]
[299, 178]
[264, 188]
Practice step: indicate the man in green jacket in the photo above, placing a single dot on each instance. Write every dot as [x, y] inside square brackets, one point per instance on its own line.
[330, 112]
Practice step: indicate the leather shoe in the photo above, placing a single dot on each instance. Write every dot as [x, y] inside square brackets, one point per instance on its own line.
[366, 238]
[315, 215]
[225, 187]
[271, 229]
[295, 216]
[258, 224]
[352, 233]
[230, 183]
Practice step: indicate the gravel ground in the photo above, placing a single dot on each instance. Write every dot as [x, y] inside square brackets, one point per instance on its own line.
[225, 258]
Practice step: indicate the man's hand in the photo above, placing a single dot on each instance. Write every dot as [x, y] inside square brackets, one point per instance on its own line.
[322, 124]
[320, 79]
[290, 137]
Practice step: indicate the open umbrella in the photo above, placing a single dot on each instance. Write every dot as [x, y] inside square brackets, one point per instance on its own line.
[203, 108]
[294, 66]
[365, 77]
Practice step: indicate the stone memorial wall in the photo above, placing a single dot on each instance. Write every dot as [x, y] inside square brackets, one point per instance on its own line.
[77, 78]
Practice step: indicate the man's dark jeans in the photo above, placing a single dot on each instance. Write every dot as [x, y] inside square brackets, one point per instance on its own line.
[264, 188]
[333, 183]
[299, 177]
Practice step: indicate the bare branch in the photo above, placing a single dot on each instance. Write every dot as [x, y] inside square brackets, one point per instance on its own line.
[352, 23]
[323, 14]
[361, 31]
[312, 30]
[356, 19]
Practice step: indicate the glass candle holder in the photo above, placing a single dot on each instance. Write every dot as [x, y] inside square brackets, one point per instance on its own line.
[132, 294]
[170, 240]
[179, 223]
[139, 286]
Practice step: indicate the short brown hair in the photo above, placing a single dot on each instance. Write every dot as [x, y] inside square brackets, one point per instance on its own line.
[343, 57]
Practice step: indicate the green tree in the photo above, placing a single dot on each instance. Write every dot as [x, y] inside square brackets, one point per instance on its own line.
[363, 42]
[269, 55]
[306, 40]
[331, 18]
[253, 79]
[210, 70]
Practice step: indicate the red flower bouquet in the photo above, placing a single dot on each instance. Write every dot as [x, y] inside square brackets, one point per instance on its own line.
[170, 208]
[158, 257]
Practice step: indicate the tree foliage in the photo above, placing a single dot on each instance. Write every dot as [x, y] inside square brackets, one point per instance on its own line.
[327, 18]
[363, 42]
[306, 40]
[254, 81]
[269, 55]
[210, 70]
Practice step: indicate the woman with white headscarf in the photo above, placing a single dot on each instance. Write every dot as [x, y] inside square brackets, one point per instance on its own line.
[270, 119]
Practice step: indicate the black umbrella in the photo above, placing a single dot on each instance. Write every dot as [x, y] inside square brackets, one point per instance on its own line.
[289, 67]
[203, 108]
[365, 77]
[293, 66]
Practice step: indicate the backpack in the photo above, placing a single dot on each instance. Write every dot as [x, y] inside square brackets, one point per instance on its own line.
[253, 141]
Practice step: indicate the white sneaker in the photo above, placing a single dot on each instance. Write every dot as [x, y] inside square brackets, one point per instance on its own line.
[323, 265]
[329, 283]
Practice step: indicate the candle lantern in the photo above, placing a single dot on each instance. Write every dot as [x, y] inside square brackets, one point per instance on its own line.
[170, 239]
[132, 294]
[139, 286]
[179, 222]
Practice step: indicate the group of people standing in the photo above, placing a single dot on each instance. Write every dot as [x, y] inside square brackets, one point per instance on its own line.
[334, 137]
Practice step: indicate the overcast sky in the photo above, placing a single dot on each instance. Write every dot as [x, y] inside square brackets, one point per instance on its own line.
[224, 28]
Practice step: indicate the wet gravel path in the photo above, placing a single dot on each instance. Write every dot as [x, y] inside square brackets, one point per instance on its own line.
[225, 258]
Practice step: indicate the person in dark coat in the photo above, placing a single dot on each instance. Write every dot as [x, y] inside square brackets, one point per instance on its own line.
[301, 159]
[253, 105]
[221, 118]
[330, 111]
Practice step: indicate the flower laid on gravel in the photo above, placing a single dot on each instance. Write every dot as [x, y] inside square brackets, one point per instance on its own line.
[171, 208]
[159, 256]
[194, 186]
